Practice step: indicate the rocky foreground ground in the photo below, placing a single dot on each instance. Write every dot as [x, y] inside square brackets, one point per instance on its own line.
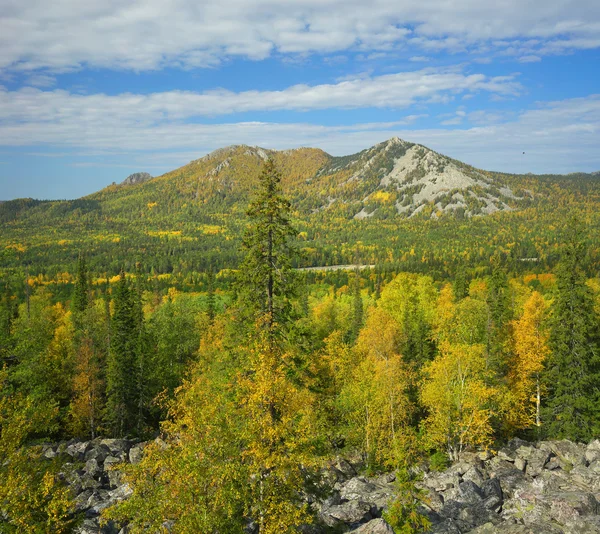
[549, 487]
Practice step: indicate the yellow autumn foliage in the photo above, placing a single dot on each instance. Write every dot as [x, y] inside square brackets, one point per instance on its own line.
[458, 400]
[530, 341]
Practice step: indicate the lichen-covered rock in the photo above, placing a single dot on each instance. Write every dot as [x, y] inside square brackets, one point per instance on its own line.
[527, 488]
[376, 526]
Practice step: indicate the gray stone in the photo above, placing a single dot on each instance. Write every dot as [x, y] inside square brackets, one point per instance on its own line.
[136, 452]
[474, 475]
[520, 463]
[376, 526]
[536, 461]
[98, 453]
[510, 480]
[114, 476]
[345, 468]
[78, 449]
[470, 492]
[569, 454]
[351, 513]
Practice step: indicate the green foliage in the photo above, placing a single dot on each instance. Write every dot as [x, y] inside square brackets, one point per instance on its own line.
[266, 282]
[439, 461]
[123, 372]
[404, 513]
[32, 498]
[572, 375]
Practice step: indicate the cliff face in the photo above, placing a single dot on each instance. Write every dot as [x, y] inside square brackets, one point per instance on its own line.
[549, 487]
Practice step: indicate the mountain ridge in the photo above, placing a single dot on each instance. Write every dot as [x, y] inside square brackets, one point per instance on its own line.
[396, 201]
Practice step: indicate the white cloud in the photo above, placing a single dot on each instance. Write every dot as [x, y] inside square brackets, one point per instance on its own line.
[151, 34]
[530, 59]
[561, 136]
[41, 80]
[419, 59]
[32, 112]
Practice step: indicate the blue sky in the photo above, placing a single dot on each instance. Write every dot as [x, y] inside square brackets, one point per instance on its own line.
[90, 93]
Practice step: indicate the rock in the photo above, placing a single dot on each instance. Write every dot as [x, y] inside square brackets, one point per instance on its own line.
[474, 475]
[531, 488]
[536, 460]
[77, 450]
[114, 476]
[136, 452]
[136, 178]
[510, 480]
[552, 464]
[344, 467]
[493, 497]
[569, 507]
[376, 526]
[509, 451]
[470, 492]
[503, 528]
[442, 481]
[92, 468]
[351, 513]
[569, 454]
[362, 489]
[98, 453]
[520, 463]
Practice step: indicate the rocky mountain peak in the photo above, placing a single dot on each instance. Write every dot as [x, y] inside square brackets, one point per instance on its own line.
[137, 178]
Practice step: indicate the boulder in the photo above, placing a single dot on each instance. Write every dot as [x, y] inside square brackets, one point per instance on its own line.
[77, 450]
[475, 475]
[568, 453]
[136, 452]
[510, 479]
[351, 513]
[376, 526]
[362, 489]
[97, 452]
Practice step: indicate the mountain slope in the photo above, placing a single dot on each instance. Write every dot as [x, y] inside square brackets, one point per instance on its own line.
[396, 201]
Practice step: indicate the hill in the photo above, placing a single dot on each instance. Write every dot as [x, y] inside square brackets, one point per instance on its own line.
[394, 202]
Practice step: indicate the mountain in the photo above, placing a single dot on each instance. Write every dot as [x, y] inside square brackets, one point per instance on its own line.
[136, 178]
[394, 202]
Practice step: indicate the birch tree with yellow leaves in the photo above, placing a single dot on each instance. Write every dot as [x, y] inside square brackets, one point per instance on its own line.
[530, 342]
[459, 401]
[376, 397]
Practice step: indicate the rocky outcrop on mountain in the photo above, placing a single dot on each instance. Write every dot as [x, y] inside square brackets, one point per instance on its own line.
[136, 178]
[549, 487]
[88, 469]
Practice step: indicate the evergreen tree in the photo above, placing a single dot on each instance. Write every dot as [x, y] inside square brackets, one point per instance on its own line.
[8, 313]
[499, 317]
[357, 308]
[80, 299]
[210, 297]
[461, 284]
[266, 281]
[141, 351]
[122, 370]
[572, 375]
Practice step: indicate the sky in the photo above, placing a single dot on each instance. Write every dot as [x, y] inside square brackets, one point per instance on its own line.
[91, 92]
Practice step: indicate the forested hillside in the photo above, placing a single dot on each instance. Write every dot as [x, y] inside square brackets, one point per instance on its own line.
[397, 205]
[249, 383]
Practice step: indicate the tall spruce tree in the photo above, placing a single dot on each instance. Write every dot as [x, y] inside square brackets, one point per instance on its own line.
[499, 317]
[210, 296]
[266, 282]
[357, 309]
[122, 370]
[572, 375]
[8, 313]
[81, 299]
